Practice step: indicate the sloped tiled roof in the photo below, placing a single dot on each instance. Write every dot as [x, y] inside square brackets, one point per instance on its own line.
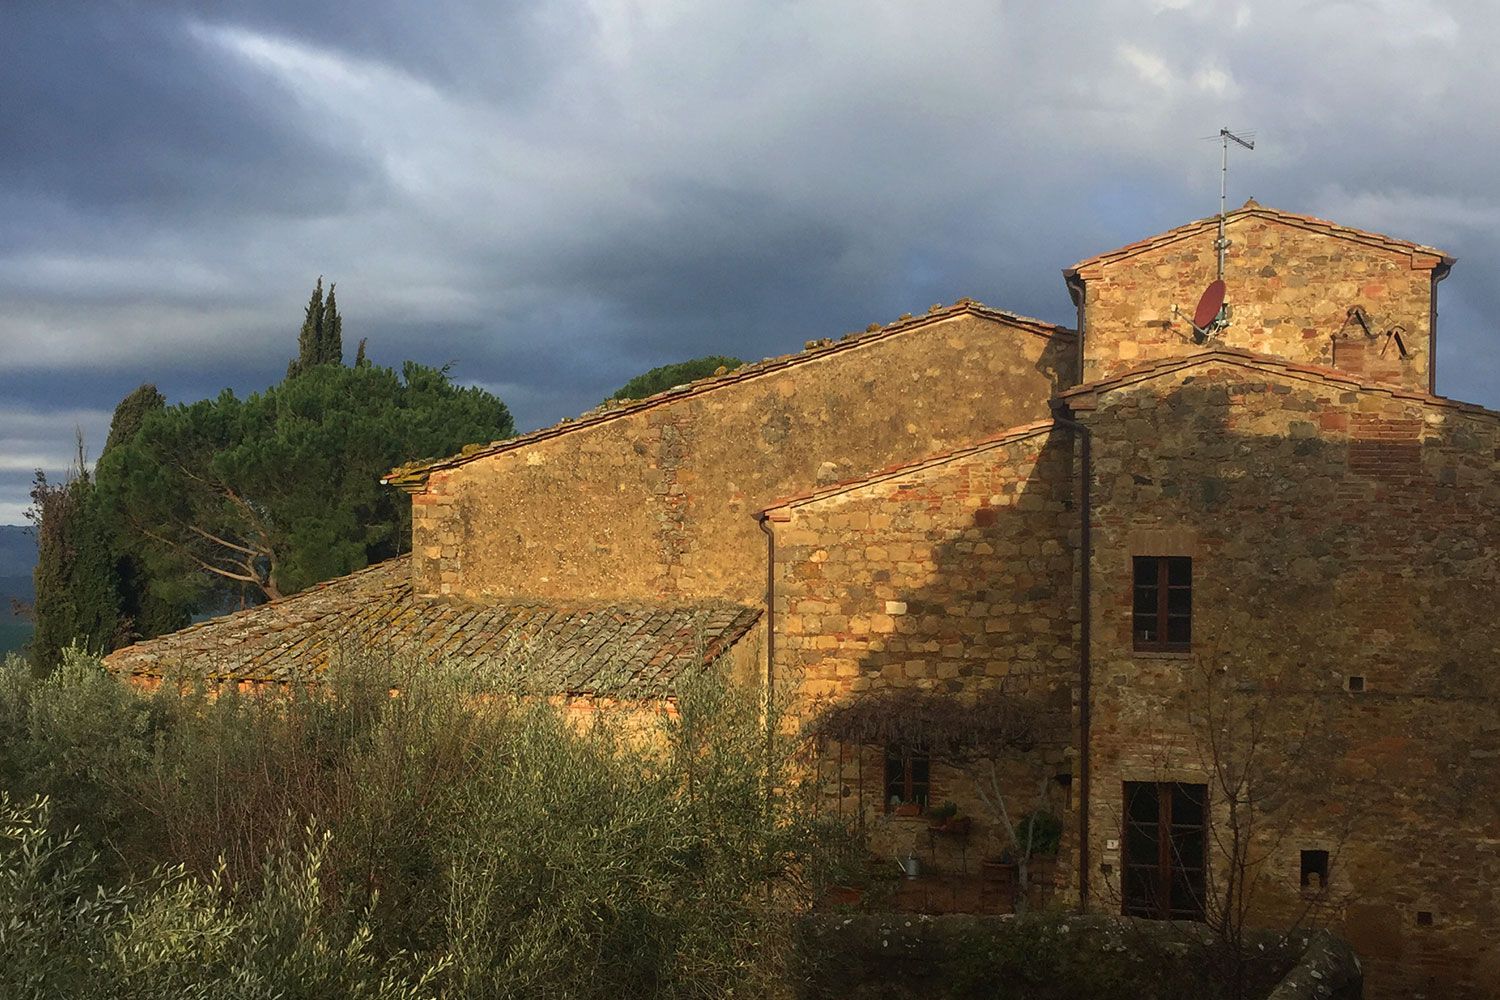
[1252, 207]
[614, 649]
[1084, 397]
[895, 471]
[414, 475]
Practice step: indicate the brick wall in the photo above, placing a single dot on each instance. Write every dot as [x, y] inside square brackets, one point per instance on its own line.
[1334, 533]
[659, 502]
[1290, 289]
[955, 575]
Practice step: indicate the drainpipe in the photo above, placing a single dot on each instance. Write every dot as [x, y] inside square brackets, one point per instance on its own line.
[1085, 666]
[1078, 292]
[1438, 274]
[764, 517]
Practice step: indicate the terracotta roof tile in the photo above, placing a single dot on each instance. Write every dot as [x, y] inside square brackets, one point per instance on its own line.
[412, 476]
[1308, 222]
[630, 650]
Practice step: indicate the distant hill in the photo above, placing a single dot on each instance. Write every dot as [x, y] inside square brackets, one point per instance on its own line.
[17, 560]
[17, 550]
[19, 588]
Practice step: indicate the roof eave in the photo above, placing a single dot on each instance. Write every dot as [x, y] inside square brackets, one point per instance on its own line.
[413, 477]
[776, 511]
[1086, 396]
[1418, 251]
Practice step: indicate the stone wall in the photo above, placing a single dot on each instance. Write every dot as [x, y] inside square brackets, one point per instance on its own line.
[1336, 533]
[658, 501]
[952, 575]
[1290, 288]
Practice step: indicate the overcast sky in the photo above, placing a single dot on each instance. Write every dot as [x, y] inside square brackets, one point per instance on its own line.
[557, 196]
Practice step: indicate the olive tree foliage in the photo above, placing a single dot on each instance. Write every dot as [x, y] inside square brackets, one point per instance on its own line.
[169, 935]
[269, 494]
[458, 840]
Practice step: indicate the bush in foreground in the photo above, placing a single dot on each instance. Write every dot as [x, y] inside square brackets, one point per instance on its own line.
[455, 840]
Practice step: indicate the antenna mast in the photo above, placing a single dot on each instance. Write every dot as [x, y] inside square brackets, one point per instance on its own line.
[1222, 243]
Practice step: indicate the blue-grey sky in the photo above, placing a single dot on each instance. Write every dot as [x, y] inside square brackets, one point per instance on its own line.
[558, 196]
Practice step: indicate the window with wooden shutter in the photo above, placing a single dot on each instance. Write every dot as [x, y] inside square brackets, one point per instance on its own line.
[1165, 845]
[1163, 603]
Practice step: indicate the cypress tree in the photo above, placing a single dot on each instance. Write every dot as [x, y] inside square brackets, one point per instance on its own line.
[360, 361]
[77, 590]
[143, 611]
[130, 414]
[331, 334]
[310, 338]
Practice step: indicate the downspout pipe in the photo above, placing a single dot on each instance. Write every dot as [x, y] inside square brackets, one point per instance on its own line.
[764, 517]
[1085, 665]
[1078, 292]
[1438, 274]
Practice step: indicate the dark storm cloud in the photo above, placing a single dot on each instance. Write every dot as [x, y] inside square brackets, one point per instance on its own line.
[555, 197]
[120, 111]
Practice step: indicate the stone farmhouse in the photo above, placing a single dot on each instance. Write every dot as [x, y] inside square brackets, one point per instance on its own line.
[1267, 546]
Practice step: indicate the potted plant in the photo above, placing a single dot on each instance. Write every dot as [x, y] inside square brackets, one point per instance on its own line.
[847, 874]
[999, 867]
[945, 819]
[1042, 831]
[896, 807]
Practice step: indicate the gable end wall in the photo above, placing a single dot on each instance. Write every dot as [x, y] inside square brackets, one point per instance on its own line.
[660, 503]
[1290, 290]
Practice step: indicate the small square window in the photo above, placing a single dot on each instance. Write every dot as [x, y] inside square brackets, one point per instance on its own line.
[1315, 870]
[1424, 918]
[1355, 683]
[908, 779]
[1162, 610]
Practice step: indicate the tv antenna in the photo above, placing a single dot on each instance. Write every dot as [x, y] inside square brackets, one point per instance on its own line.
[1246, 139]
[1212, 312]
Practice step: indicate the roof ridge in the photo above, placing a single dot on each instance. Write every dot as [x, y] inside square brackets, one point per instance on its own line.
[414, 474]
[1253, 359]
[1253, 207]
[1010, 436]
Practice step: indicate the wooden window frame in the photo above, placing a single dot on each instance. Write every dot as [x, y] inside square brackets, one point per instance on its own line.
[910, 790]
[1167, 834]
[1163, 616]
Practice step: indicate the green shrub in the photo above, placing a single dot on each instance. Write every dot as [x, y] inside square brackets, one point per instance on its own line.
[1042, 829]
[79, 738]
[171, 935]
[474, 842]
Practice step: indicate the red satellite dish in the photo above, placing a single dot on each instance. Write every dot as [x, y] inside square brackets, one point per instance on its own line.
[1209, 305]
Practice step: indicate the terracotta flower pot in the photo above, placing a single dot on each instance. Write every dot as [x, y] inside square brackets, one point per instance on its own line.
[908, 809]
[957, 826]
[845, 895]
[1042, 870]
